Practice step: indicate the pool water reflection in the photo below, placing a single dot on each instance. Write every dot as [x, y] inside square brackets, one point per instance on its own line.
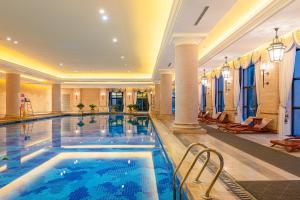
[84, 146]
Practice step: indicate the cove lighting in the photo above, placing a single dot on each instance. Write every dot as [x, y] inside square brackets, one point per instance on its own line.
[122, 57]
[8, 38]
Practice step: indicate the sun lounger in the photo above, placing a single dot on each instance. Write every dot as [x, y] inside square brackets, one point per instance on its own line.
[290, 144]
[257, 128]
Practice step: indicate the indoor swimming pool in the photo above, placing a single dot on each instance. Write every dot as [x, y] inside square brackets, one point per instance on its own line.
[91, 157]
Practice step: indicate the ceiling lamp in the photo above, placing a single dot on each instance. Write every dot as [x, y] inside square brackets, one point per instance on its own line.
[226, 69]
[276, 49]
[204, 79]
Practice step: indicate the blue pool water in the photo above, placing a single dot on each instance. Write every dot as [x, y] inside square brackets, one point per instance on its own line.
[93, 157]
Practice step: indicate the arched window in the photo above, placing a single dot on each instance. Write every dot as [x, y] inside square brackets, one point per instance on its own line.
[296, 97]
[142, 101]
[203, 98]
[249, 92]
[219, 94]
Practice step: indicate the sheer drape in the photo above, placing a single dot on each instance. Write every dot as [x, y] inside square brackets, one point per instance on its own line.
[200, 96]
[257, 84]
[134, 97]
[236, 93]
[213, 94]
[149, 100]
[286, 72]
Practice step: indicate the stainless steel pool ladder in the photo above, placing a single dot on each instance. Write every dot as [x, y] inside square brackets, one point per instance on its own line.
[208, 152]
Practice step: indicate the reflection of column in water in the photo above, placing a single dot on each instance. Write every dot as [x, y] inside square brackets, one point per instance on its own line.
[13, 146]
[56, 132]
[103, 121]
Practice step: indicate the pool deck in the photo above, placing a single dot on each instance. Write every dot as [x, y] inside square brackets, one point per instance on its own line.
[242, 169]
[175, 149]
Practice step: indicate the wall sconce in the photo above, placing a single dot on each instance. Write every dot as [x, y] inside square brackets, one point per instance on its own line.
[76, 95]
[102, 94]
[264, 68]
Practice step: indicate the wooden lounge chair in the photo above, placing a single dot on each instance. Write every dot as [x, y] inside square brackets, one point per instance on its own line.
[214, 118]
[257, 128]
[290, 144]
[203, 115]
[245, 123]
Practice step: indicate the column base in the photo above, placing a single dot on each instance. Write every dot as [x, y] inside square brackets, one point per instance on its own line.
[165, 116]
[12, 117]
[188, 129]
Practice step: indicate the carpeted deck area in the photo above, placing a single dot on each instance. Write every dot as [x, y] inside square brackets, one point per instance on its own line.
[273, 190]
[279, 159]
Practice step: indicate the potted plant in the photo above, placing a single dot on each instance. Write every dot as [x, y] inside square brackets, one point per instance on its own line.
[92, 106]
[132, 108]
[114, 108]
[80, 106]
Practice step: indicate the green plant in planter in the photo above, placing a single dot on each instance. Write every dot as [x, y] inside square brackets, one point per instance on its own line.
[80, 106]
[114, 108]
[132, 107]
[92, 106]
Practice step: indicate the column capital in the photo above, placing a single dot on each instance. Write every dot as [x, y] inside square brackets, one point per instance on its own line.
[187, 38]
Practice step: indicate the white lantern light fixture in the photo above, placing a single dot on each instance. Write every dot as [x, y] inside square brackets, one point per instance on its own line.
[276, 49]
[204, 79]
[226, 69]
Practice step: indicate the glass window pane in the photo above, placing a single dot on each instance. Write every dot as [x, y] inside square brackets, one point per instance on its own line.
[296, 123]
[297, 65]
[296, 92]
[251, 75]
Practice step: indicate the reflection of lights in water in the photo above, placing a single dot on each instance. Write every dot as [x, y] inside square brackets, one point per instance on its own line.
[76, 131]
[111, 142]
[129, 131]
[103, 131]
[75, 162]
[122, 186]
[62, 173]
[125, 173]
[129, 161]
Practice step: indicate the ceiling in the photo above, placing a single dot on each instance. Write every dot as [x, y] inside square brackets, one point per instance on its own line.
[287, 19]
[68, 38]
[184, 21]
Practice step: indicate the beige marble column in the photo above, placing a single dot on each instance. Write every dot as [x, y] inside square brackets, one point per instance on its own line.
[12, 95]
[157, 97]
[166, 78]
[56, 98]
[186, 84]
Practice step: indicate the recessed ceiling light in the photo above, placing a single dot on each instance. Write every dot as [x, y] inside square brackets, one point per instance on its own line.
[8, 38]
[16, 42]
[61, 64]
[75, 71]
[101, 11]
[104, 18]
[115, 40]
[122, 57]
